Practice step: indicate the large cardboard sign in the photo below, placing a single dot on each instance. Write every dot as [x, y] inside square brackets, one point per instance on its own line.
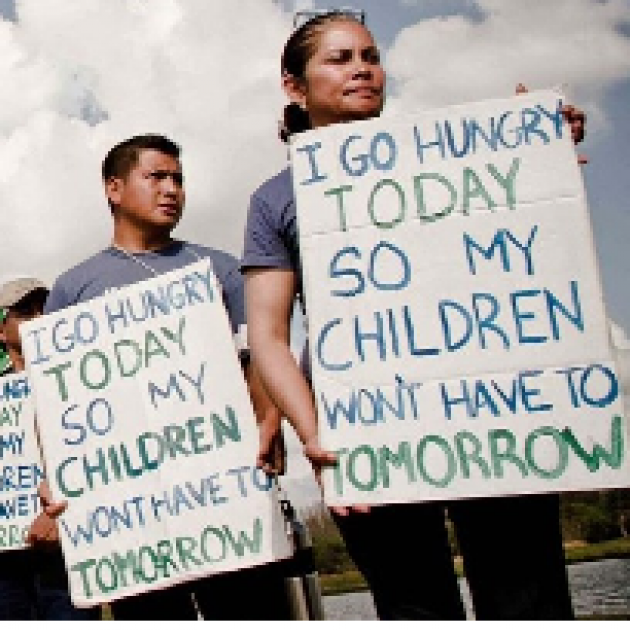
[149, 434]
[20, 461]
[458, 338]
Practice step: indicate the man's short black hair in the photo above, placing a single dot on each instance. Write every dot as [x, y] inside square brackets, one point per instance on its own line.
[124, 156]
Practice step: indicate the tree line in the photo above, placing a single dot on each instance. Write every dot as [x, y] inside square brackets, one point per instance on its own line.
[589, 517]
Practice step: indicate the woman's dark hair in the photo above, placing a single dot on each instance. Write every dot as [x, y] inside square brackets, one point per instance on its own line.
[299, 48]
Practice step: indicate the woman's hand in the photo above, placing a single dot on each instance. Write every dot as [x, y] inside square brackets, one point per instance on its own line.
[320, 458]
[576, 119]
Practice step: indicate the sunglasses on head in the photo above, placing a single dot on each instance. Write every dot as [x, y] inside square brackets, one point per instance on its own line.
[300, 18]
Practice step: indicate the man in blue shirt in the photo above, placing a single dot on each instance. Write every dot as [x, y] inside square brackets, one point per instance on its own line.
[144, 185]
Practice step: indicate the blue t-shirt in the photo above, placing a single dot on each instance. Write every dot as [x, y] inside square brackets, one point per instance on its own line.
[111, 268]
[271, 234]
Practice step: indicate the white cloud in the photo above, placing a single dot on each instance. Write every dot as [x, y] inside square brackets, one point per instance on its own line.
[201, 72]
[206, 74]
[29, 81]
[574, 43]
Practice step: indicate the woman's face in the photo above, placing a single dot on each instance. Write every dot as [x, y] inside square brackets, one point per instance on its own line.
[343, 80]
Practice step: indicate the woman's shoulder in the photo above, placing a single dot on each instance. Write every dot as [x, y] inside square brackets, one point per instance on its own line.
[277, 190]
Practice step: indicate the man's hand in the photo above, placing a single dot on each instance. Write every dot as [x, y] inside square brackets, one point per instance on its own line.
[50, 507]
[44, 529]
[271, 449]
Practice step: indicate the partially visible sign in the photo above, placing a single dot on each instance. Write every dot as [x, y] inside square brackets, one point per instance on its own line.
[20, 462]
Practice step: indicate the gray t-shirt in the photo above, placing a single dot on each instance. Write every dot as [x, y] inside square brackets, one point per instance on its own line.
[271, 235]
[111, 268]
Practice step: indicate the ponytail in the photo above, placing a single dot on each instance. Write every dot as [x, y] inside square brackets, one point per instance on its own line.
[295, 120]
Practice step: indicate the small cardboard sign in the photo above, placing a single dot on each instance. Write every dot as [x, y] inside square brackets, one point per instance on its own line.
[20, 462]
[149, 434]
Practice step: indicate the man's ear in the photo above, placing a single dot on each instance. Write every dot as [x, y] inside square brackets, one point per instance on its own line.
[113, 190]
[295, 89]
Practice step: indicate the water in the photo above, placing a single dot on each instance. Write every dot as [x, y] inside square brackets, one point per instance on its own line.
[601, 588]
[597, 588]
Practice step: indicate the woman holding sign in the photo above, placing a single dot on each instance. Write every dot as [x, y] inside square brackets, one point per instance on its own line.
[332, 73]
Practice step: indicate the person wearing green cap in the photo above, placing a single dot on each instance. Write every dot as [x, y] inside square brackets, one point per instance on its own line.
[21, 298]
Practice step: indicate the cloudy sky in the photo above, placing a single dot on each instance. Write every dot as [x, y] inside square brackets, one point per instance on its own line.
[79, 75]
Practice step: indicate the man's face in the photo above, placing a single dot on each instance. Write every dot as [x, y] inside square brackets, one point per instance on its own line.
[29, 307]
[151, 196]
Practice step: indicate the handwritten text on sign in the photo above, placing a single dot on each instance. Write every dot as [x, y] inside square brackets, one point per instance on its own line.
[22, 470]
[149, 434]
[458, 339]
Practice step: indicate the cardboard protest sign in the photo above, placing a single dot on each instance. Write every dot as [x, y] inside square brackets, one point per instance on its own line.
[149, 434]
[20, 460]
[458, 338]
